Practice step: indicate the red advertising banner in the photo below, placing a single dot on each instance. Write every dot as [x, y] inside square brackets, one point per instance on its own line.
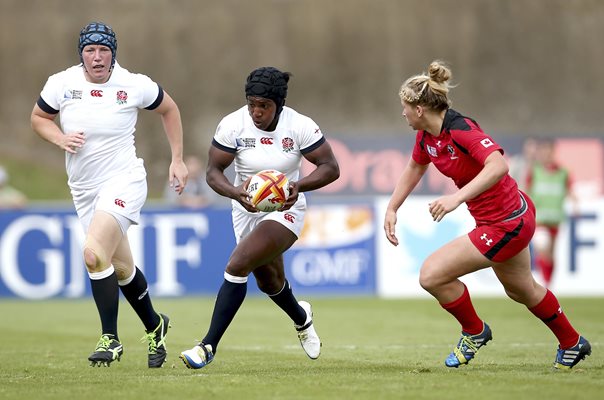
[372, 165]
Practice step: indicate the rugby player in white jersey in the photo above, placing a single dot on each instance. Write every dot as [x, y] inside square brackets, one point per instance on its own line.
[98, 103]
[264, 134]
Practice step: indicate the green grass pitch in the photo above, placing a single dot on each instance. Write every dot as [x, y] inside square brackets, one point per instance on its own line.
[372, 349]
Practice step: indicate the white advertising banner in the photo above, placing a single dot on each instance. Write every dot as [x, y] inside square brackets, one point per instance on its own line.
[579, 253]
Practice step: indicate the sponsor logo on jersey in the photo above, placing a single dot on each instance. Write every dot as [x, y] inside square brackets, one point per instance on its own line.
[96, 93]
[289, 217]
[317, 131]
[245, 142]
[451, 151]
[266, 140]
[72, 94]
[120, 203]
[287, 144]
[486, 142]
[431, 150]
[121, 97]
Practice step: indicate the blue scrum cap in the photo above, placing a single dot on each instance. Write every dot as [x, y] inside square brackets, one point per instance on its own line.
[98, 33]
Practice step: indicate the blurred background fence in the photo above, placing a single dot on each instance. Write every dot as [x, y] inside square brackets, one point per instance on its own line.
[522, 68]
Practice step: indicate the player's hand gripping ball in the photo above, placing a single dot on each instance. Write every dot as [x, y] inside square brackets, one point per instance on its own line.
[268, 190]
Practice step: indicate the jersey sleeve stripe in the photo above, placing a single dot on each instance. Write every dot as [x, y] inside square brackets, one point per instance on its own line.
[223, 148]
[313, 146]
[158, 100]
[45, 107]
[463, 149]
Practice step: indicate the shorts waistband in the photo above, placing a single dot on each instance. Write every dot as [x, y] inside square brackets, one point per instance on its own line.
[519, 212]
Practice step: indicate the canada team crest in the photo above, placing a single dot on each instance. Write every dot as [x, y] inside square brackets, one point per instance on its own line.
[122, 97]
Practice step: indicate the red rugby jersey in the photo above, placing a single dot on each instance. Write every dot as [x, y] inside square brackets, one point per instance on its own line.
[459, 153]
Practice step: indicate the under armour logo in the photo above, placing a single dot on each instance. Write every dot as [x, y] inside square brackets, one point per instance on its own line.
[120, 203]
[96, 93]
[438, 143]
[288, 217]
[487, 240]
[266, 140]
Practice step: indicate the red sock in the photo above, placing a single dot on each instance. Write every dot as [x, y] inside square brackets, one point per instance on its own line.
[550, 312]
[463, 310]
[546, 267]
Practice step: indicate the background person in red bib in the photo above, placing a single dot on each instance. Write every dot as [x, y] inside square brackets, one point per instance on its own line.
[505, 219]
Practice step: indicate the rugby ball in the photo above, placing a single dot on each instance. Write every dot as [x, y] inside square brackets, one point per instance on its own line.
[268, 190]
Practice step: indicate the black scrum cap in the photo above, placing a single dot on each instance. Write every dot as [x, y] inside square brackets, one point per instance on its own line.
[269, 83]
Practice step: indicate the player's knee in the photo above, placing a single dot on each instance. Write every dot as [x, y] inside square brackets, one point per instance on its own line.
[94, 263]
[512, 294]
[270, 286]
[524, 294]
[90, 259]
[237, 267]
[123, 271]
[425, 283]
[428, 278]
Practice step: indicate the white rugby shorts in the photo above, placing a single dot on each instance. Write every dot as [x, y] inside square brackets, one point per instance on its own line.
[542, 239]
[122, 196]
[293, 219]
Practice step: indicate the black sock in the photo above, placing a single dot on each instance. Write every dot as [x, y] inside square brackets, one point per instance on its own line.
[288, 303]
[229, 299]
[106, 296]
[137, 294]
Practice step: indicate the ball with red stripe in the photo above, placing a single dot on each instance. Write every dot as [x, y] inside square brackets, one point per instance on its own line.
[268, 190]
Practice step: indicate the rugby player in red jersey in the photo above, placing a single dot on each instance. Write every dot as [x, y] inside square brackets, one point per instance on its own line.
[505, 219]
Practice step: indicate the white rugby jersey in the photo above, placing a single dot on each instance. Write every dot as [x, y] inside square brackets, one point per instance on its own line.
[255, 149]
[106, 113]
